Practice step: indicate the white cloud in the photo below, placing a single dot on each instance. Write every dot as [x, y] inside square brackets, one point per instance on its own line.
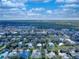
[18, 9]
[71, 1]
[38, 9]
[36, 0]
[12, 12]
[8, 3]
[19, 1]
[13, 8]
[60, 1]
[70, 6]
[33, 14]
[35, 11]
[13, 3]
[61, 13]
[67, 1]
[49, 12]
[69, 9]
[45, 1]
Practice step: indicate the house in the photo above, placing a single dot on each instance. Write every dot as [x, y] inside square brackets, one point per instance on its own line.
[36, 54]
[50, 55]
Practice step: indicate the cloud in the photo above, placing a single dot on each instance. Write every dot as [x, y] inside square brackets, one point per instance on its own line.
[60, 1]
[9, 3]
[49, 11]
[35, 12]
[59, 12]
[37, 9]
[70, 6]
[67, 1]
[71, 1]
[13, 8]
[18, 9]
[45, 1]
[66, 12]
[62, 13]
[12, 12]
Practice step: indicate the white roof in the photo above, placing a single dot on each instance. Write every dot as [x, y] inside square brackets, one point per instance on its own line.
[50, 55]
[29, 44]
[39, 44]
[60, 44]
[50, 43]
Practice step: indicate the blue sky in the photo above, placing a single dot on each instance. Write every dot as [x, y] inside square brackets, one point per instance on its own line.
[39, 9]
